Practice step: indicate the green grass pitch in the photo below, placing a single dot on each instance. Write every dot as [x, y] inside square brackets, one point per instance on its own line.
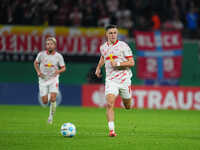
[26, 128]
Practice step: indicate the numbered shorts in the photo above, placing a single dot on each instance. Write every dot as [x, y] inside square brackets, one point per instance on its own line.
[50, 88]
[124, 90]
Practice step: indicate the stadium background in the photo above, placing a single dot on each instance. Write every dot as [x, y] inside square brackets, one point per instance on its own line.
[38, 19]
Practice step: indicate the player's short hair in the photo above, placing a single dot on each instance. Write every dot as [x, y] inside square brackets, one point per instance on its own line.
[111, 27]
[53, 39]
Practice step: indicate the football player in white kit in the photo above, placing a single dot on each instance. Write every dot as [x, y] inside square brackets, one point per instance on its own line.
[48, 65]
[118, 59]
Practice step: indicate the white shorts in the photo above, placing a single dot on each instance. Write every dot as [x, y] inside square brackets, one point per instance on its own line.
[124, 90]
[50, 88]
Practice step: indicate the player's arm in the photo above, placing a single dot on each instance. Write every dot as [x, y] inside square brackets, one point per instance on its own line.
[37, 68]
[129, 63]
[98, 69]
[61, 70]
[62, 66]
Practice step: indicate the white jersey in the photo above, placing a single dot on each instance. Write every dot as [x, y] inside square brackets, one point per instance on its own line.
[120, 52]
[49, 63]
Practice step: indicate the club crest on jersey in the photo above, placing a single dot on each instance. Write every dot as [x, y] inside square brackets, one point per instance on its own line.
[49, 65]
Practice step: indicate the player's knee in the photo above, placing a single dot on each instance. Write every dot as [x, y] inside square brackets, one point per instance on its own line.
[45, 99]
[109, 105]
[110, 101]
[53, 98]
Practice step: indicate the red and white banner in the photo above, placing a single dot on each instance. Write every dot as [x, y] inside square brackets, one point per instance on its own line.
[159, 54]
[147, 97]
[71, 41]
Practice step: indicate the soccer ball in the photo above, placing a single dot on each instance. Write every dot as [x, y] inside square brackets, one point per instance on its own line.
[68, 130]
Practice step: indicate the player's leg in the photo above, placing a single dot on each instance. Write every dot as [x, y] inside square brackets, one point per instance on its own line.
[53, 102]
[111, 94]
[127, 103]
[110, 107]
[125, 93]
[44, 93]
[53, 89]
[45, 99]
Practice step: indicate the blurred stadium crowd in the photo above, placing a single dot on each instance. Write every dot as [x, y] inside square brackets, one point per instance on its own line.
[130, 14]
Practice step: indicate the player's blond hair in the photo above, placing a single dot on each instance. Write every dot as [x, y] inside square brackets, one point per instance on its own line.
[53, 39]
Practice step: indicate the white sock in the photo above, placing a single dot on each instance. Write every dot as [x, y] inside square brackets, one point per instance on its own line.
[52, 108]
[111, 125]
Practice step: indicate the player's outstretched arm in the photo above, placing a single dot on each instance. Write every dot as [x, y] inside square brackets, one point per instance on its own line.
[98, 69]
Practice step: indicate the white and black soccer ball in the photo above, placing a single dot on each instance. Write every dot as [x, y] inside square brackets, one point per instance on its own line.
[68, 130]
